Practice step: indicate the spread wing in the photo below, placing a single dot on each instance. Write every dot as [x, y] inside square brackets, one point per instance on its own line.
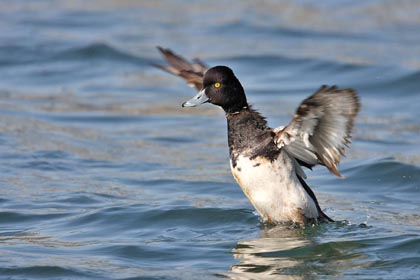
[191, 72]
[321, 128]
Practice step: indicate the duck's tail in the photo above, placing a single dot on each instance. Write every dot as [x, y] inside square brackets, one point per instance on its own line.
[322, 216]
[192, 72]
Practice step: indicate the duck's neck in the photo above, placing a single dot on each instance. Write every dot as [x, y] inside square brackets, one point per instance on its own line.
[247, 131]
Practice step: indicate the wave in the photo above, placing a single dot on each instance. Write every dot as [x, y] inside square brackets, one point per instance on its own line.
[23, 55]
[242, 27]
[100, 51]
[122, 218]
[41, 271]
[406, 84]
[15, 55]
[377, 176]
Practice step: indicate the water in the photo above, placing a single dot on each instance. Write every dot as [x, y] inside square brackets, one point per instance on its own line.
[105, 176]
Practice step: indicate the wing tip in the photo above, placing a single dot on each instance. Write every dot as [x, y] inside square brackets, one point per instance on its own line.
[334, 170]
[163, 50]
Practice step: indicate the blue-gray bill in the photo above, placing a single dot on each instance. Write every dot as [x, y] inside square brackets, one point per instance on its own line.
[199, 99]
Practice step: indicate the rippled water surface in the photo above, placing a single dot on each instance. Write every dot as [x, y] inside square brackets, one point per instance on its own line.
[104, 175]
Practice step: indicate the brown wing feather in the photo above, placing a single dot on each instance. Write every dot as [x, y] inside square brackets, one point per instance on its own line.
[191, 72]
[321, 127]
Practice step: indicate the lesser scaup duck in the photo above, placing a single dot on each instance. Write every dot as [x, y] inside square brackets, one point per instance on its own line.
[267, 162]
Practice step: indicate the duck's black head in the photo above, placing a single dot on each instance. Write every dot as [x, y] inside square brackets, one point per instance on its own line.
[222, 88]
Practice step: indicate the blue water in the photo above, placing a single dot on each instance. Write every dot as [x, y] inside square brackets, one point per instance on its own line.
[104, 176]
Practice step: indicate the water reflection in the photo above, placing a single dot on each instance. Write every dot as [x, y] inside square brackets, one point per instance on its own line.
[284, 252]
[268, 255]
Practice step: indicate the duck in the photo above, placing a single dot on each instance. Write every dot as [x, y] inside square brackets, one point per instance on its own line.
[267, 163]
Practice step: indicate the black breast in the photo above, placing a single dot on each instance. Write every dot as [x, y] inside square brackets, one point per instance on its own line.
[249, 135]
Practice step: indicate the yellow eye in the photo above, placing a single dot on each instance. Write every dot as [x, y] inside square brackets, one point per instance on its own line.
[217, 85]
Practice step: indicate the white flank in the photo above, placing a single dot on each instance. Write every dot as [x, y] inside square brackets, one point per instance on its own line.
[274, 189]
